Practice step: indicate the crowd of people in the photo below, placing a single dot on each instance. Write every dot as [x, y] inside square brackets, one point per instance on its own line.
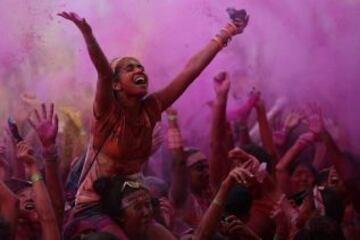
[285, 174]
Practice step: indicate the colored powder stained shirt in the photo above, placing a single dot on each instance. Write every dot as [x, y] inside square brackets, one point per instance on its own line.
[127, 145]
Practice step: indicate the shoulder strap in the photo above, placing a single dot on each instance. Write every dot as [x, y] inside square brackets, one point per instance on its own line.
[107, 135]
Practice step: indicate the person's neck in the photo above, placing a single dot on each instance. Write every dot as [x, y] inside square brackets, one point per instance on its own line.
[198, 191]
[129, 103]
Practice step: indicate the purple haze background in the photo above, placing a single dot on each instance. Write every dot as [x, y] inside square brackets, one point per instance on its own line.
[301, 50]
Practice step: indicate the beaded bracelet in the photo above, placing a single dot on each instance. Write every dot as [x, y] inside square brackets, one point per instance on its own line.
[36, 177]
[217, 203]
[171, 117]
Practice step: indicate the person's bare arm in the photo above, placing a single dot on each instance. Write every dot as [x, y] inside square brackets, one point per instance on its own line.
[212, 216]
[241, 118]
[265, 131]
[347, 169]
[282, 167]
[219, 166]
[46, 127]
[8, 206]
[198, 62]
[179, 180]
[47, 218]
[105, 74]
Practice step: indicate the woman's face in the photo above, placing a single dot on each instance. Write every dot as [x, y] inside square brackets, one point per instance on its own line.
[199, 175]
[302, 179]
[132, 79]
[27, 205]
[137, 211]
[335, 182]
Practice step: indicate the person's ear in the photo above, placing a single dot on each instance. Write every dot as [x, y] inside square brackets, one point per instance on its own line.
[117, 86]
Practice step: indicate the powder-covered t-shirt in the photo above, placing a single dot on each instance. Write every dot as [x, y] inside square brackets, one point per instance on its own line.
[127, 146]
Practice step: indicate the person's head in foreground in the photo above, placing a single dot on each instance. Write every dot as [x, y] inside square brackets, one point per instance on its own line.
[128, 202]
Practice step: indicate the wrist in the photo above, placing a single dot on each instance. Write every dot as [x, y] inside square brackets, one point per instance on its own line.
[224, 35]
[50, 152]
[172, 121]
[221, 97]
[218, 203]
[36, 176]
[227, 183]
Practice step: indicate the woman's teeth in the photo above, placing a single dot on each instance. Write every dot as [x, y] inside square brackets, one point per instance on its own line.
[29, 206]
[140, 80]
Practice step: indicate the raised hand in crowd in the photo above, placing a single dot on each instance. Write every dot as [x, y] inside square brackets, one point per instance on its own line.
[81, 23]
[222, 85]
[46, 125]
[49, 225]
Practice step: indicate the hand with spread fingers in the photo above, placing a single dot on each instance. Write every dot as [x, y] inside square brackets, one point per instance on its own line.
[25, 153]
[77, 20]
[292, 120]
[46, 125]
[314, 119]
[241, 176]
[241, 158]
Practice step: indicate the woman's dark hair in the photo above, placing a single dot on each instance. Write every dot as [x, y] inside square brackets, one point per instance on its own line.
[116, 65]
[334, 205]
[109, 190]
[238, 201]
[306, 164]
[261, 154]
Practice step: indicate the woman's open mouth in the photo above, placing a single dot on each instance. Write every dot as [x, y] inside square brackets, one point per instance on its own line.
[140, 80]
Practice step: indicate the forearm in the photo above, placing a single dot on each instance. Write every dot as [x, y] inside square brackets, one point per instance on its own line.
[212, 216]
[218, 165]
[266, 133]
[192, 70]
[97, 56]
[243, 134]
[319, 158]
[49, 226]
[179, 181]
[53, 182]
[105, 74]
[289, 156]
